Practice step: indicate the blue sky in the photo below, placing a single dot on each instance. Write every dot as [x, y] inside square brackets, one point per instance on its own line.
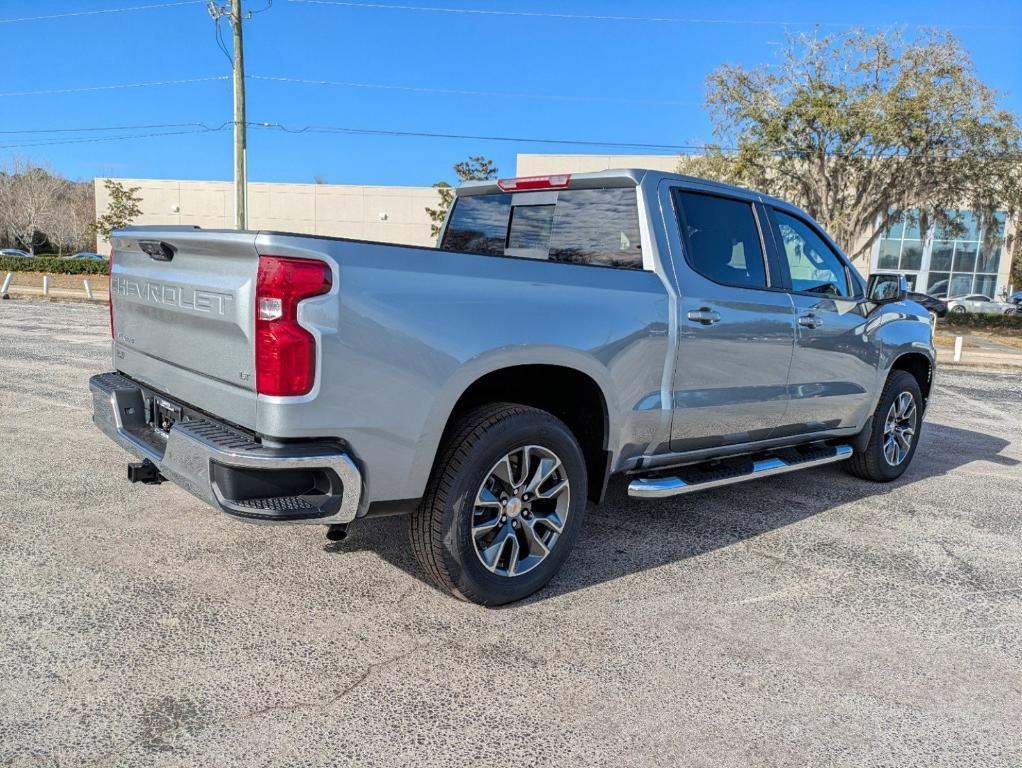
[597, 80]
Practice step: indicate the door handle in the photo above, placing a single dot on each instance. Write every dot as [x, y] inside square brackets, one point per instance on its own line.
[704, 316]
[809, 321]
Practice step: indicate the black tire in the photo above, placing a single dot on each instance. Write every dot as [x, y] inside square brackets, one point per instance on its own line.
[958, 310]
[871, 463]
[441, 528]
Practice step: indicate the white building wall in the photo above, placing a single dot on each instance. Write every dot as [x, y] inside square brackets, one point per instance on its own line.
[386, 214]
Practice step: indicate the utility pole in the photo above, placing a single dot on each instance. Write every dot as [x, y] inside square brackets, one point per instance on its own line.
[237, 59]
[240, 127]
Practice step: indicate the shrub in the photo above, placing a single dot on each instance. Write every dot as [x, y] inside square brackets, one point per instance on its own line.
[971, 320]
[52, 265]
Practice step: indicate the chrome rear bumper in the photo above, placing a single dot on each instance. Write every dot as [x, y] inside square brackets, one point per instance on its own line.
[198, 452]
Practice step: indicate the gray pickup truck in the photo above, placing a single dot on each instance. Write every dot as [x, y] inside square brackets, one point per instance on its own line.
[566, 329]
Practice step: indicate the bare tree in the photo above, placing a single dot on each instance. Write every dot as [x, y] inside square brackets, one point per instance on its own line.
[28, 201]
[72, 229]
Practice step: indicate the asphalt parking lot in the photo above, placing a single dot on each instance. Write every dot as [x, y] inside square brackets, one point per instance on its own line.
[810, 619]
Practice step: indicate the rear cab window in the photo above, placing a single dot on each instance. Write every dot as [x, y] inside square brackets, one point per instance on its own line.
[595, 227]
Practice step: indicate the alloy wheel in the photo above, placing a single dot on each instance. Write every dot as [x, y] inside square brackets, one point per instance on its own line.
[900, 428]
[520, 511]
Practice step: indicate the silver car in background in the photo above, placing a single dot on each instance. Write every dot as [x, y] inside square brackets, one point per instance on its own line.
[978, 303]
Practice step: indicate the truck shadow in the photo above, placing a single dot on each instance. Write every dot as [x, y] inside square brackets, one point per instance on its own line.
[625, 536]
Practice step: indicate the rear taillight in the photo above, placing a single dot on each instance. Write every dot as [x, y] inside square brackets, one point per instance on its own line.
[110, 290]
[285, 353]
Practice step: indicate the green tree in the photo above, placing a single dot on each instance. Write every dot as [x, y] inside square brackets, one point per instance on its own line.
[860, 129]
[476, 168]
[122, 209]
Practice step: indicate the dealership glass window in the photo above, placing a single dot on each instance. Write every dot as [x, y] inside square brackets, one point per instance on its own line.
[965, 259]
[961, 260]
[901, 247]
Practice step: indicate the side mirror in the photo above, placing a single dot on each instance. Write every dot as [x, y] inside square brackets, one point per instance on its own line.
[885, 288]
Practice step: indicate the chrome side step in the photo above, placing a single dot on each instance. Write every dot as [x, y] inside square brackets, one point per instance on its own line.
[700, 476]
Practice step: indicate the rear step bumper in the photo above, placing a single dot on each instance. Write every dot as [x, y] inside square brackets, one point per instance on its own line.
[307, 482]
[700, 476]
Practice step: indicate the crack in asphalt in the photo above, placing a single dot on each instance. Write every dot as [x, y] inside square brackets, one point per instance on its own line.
[322, 706]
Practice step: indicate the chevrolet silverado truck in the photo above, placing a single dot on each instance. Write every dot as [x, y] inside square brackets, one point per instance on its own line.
[566, 329]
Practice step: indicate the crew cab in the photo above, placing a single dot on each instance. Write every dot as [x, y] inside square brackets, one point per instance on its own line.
[681, 332]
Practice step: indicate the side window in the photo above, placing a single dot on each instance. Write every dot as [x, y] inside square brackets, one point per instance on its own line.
[721, 239]
[813, 266]
[597, 226]
[584, 226]
[478, 225]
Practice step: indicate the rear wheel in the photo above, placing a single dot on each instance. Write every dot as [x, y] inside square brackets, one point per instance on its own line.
[958, 310]
[894, 431]
[504, 506]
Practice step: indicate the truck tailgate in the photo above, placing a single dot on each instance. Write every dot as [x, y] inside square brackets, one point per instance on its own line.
[183, 312]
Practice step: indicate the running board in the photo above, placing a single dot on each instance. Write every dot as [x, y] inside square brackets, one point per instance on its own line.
[700, 476]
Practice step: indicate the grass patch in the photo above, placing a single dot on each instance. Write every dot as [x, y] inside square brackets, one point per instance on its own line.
[970, 320]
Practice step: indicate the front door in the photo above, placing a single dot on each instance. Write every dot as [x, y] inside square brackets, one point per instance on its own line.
[736, 326]
[834, 367]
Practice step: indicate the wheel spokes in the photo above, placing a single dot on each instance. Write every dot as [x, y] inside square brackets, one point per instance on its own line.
[533, 539]
[545, 468]
[520, 510]
[487, 499]
[551, 520]
[491, 554]
[553, 491]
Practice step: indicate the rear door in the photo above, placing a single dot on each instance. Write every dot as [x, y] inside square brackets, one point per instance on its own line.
[183, 317]
[834, 366]
[736, 324]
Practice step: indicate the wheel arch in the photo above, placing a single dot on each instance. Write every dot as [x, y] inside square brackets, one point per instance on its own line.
[558, 384]
[921, 368]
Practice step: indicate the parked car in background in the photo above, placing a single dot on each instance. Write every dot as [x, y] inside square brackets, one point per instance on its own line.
[1016, 299]
[932, 304]
[85, 256]
[979, 304]
[15, 252]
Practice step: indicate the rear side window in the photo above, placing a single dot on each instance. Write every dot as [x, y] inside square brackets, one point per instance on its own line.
[722, 239]
[577, 226]
[479, 225]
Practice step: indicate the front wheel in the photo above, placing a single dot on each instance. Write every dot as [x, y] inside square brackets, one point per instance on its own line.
[958, 310]
[894, 432]
[504, 505]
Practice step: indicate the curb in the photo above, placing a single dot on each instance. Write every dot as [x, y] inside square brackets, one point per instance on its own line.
[56, 294]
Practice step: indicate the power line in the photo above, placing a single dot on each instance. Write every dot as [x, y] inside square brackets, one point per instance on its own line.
[598, 17]
[101, 11]
[105, 128]
[549, 15]
[1013, 156]
[116, 138]
[483, 94]
[431, 135]
[199, 128]
[53, 91]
